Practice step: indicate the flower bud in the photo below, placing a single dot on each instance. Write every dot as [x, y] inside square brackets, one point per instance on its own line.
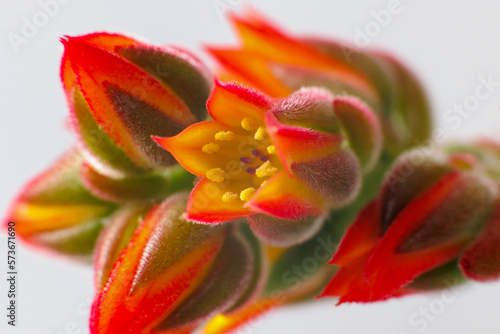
[54, 211]
[169, 274]
[148, 187]
[122, 91]
[430, 211]
[296, 273]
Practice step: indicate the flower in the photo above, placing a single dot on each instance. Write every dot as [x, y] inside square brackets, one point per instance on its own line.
[163, 274]
[278, 64]
[121, 91]
[276, 161]
[431, 212]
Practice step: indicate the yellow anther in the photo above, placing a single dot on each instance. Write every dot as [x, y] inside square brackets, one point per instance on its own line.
[216, 174]
[224, 135]
[210, 148]
[260, 133]
[247, 123]
[266, 169]
[271, 149]
[246, 194]
[229, 197]
[263, 183]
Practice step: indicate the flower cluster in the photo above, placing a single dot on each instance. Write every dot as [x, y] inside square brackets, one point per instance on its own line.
[205, 200]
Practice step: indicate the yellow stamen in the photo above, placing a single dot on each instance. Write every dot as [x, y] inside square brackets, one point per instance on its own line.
[246, 194]
[224, 135]
[210, 148]
[247, 123]
[263, 183]
[229, 197]
[271, 149]
[260, 133]
[266, 169]
[216, 174]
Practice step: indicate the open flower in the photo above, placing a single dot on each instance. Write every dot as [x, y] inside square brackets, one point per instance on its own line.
[430, 212]
[278, 64]
[284, 160]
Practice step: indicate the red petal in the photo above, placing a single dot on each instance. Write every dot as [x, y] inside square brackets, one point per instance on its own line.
[349, 284]
[361, 237]
[298, 144]
[388, 269]
[287, 198]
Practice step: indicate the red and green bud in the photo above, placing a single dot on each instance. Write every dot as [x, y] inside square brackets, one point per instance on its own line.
[431, 210]
[56, 212]
[122, 91]
[160, 273]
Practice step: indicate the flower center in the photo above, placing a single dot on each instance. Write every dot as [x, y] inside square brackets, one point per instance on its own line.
[252, 150]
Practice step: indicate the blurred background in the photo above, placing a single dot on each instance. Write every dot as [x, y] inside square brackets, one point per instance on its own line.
[453, 46]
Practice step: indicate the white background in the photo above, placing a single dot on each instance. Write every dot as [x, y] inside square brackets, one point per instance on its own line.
[448, 43]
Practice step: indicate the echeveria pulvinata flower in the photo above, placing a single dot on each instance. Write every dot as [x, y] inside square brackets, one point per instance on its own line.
[272, 160]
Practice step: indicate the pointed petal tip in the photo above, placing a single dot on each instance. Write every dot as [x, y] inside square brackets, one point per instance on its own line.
[334, 260]
[159, 140]
[64, 39]
[163, 142]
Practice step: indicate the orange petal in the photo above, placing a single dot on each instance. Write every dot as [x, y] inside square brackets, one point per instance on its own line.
[187, 146]
[205, 203]
[231, 103]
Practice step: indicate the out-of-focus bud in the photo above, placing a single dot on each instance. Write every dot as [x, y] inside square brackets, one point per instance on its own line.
[122, 91]
[159, 273]
[279, 64]
[149, 187]
[55, 211]
[431, 210]
[296, 273]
